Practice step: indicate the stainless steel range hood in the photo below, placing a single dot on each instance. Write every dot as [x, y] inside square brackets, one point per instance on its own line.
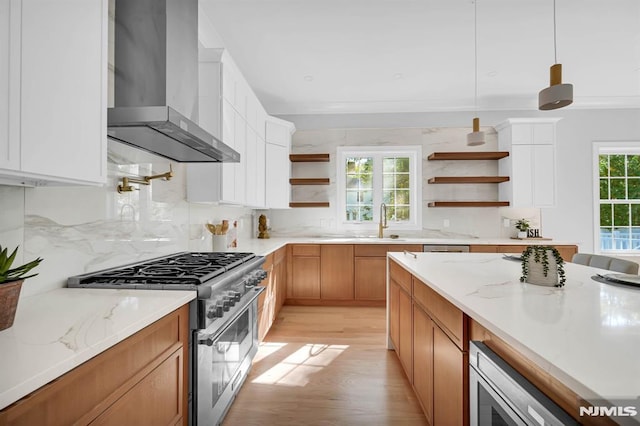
[156, 82]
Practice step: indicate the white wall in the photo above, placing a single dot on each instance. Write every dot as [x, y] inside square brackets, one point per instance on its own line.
[84, 229]
[572, 219]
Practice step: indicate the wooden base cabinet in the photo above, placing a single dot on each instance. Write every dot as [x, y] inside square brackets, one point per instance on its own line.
[141, 380]
[272, 299]
[430, 337]
[566, 251]
[336, 272]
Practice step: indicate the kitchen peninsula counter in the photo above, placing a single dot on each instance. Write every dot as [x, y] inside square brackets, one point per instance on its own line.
[586, 334]
[58, 330]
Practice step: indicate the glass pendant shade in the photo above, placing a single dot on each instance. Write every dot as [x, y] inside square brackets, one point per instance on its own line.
[557, 95]
[476, 137]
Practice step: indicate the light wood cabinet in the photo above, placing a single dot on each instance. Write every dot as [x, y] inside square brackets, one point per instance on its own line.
[38, 145]
[370, 268]
[423, 360]
[305, 272]
[141, 380]
[430, 336]
[336, 272]
[271, 300]
[450, 381]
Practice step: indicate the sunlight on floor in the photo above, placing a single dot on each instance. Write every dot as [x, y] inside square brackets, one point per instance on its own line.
[297, 368]
[266, 349]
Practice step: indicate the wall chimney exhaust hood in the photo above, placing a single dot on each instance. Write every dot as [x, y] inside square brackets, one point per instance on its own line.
[156, 82]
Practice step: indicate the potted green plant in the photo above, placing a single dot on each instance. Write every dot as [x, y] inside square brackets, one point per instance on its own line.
[11, 280]
[543, 265]
[522, 225]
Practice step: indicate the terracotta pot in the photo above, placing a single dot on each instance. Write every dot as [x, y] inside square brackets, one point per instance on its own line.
[536, 272]
[9, 295]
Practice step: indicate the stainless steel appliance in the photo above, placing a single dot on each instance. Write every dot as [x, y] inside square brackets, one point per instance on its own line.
[156, 82]
[448, 248]
[499, 395]
[224, 335]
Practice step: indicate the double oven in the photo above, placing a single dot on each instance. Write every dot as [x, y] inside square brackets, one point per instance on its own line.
[223, 320]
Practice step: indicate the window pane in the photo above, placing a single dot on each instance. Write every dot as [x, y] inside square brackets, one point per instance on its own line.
[618, 189]
[633, 165]
[366, 197]
[388, 165]
[388, 197]
[366, 213]
[604, 165]
[402, 197]
[402, 181]
[635, 214]
[352, 197]
[616, 165]
[605, 215]
[388, 181]
[604, 189]
[403, 213]
[353, 182]
[606, 238]
[391, 213]
[635, 238]
[402, 165]
[621, 238]
[621, 214]
[634, 188]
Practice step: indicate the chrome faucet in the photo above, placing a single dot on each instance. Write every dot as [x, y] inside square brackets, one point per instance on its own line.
[383, 220]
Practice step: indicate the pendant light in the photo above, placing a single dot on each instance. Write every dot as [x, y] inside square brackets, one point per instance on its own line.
[476, 137]
[557, 95]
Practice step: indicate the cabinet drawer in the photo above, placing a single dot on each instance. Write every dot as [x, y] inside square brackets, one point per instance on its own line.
[305, 250]
[403, 247]
[451, 319]
[400, 275]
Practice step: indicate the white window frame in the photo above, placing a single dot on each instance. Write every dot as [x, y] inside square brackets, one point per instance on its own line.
[414, 152]
[611, 147]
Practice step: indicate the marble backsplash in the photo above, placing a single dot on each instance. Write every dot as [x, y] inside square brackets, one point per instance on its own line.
[83, 229]
[436, 222]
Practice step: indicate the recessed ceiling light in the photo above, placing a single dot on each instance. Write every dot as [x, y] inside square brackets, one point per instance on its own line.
[492, 73]
[308, 78]
[398, 76]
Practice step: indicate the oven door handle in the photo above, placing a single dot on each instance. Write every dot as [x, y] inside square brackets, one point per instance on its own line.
[210, 338]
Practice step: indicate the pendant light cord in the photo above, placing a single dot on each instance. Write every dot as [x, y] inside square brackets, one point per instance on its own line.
[475, 50]
[555, 53]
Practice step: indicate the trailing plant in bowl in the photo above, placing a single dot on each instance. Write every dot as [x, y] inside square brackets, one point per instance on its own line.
[543, 265]
[10, 284]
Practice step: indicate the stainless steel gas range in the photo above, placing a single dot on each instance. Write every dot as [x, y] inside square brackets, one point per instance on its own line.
[224, 335]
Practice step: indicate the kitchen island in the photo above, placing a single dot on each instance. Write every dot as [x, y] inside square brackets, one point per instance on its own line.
[585, 335]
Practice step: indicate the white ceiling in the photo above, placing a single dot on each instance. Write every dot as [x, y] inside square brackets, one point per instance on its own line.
[358, 56]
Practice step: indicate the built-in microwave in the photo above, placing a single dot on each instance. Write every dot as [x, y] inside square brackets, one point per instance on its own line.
[499, 395]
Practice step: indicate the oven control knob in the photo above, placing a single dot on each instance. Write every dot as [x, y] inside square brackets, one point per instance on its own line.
[230, 300]
[236, 295]
[225, 304]
[250, 282]
[215, 311]
[261, 274]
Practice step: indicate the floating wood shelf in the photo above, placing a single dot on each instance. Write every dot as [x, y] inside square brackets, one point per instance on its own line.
[483, 155]
[469, 204]
[309, 204]
[468, 179]
[309, 158]
[309, 181]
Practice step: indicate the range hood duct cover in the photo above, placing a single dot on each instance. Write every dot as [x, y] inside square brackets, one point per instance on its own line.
[156, 82]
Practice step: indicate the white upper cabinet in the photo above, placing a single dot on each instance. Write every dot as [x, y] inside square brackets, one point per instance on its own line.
[53, 86]
[230, 111]
[531, 163]
[278, 166]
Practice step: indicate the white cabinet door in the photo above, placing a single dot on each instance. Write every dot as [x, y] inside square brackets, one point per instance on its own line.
[9, 84]
[251, 163]
[241, 167]
[531, 163]
[544, 166]
[260, 172]
[63, 89]
[277, 176]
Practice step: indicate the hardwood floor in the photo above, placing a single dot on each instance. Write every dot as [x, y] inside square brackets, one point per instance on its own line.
[326, 366]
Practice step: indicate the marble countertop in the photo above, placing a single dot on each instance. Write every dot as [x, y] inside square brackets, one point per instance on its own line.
[58, 330]
[263, 247]
[586, 334]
